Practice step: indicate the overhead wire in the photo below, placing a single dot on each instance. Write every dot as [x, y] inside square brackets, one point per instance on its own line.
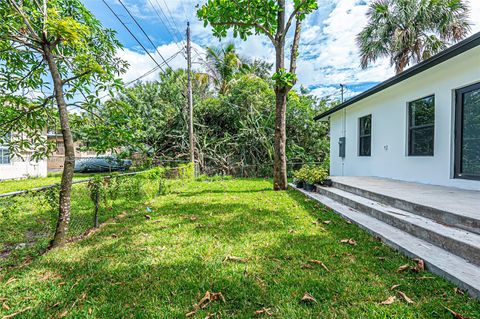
[145, 33]
[131, 33]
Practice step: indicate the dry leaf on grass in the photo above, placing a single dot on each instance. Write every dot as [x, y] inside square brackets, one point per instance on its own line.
[403, 268]
[205, 301]
[394, 287]
[456, 315]
[349, 241]
[16, 313]
[308, 298]
[420, 265]
[307, 266]
[381, 258]
[458, 291]
[318, 262]
[389, 300]
[327, 222]
[236, 259]
[266, 311]
[193, 218]
[9, 281]
[405, 297]
[5, 306]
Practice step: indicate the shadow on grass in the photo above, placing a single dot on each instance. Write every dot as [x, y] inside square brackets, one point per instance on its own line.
[158, 268]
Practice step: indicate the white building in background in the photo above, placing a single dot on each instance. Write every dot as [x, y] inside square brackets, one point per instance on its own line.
[16, 167]
[422, 125]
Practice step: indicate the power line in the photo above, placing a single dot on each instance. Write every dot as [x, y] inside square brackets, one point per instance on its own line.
[166, 27]
[131, 33]
[175, 25]
[143, 31]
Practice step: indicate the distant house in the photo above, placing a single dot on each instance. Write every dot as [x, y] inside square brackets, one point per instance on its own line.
[422, 125]
[20, 167]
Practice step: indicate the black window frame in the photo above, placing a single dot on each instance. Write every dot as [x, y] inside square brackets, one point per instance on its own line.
[362, 136]
[459, 108]
[411, 128]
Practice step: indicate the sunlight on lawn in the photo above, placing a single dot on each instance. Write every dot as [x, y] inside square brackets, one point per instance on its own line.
[237, 237]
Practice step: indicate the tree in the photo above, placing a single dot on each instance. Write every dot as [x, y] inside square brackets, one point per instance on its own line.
[267, 17]
[58, 51]
[232, 129]
[223, 64]
[410, 31]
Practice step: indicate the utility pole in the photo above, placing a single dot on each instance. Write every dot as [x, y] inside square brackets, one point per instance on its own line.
[342, 86]
[190, 96]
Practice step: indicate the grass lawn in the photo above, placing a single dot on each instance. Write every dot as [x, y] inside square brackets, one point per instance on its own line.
[160, 267]
[29, 183]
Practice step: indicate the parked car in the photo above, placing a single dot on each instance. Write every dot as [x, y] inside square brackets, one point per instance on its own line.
[101, 164]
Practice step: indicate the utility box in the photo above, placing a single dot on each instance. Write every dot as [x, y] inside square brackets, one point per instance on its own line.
[341, 147]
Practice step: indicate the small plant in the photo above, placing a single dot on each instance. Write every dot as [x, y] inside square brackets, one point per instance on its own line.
[301, 174]
[316, 174]
[310, 175]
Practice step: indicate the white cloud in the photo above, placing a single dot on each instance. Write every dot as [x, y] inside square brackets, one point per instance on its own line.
[140, 62]
[329, 54]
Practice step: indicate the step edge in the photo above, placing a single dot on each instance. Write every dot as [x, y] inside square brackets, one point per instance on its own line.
[426, 219]
[471, 288]
[445, 241]
[421, 206]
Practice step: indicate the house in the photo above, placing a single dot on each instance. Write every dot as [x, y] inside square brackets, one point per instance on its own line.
[405, 163]
[20, 167]
[422, 125]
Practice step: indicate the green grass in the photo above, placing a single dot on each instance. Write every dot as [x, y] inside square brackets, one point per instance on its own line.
[159, 267]
[29, 183]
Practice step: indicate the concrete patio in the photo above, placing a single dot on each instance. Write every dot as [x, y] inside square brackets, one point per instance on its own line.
[440, 225]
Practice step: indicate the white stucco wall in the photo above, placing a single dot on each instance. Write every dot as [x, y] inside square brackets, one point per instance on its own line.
[21, 169]
[389, 127]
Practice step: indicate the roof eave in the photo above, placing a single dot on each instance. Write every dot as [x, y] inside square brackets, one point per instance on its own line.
[441, 57]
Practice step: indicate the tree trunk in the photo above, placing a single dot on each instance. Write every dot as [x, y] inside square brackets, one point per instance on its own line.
[279, 158]
[69, 162]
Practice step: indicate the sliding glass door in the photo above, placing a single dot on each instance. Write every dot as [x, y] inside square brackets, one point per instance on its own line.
[467, 133]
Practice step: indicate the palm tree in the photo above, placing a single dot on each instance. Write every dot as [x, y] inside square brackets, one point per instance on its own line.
[223, 64]
[410, 31]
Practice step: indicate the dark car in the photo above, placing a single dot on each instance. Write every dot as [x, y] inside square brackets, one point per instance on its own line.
[101, 164]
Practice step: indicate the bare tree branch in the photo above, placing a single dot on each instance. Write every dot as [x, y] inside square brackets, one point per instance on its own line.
[292, 16]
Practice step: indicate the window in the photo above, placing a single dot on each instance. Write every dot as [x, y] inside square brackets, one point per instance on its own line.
[467, 133]
[421, 127]
[365, 135]
[4, 153]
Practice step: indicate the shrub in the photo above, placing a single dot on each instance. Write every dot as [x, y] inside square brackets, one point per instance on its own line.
[311, 174]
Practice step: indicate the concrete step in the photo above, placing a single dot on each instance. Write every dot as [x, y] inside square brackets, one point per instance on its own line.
[460, 242]
[437, 260]
[466, 222]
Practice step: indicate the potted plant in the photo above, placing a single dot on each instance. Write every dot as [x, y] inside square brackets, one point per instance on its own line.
[299, 177]
[314, 175]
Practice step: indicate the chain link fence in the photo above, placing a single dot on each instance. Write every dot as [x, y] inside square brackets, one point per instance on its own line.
[28, 218]
[255, 171]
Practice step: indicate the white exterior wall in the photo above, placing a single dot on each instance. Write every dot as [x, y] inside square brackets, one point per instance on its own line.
[21, 169]
[389, 127]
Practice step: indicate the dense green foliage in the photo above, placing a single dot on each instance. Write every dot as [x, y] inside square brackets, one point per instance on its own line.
[411, 31]
[160, 267]
[231, 129]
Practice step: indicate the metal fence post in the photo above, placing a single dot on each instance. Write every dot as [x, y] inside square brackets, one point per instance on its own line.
[95, 220]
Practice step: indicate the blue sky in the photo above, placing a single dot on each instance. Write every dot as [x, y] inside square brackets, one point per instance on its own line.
[328, 52]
